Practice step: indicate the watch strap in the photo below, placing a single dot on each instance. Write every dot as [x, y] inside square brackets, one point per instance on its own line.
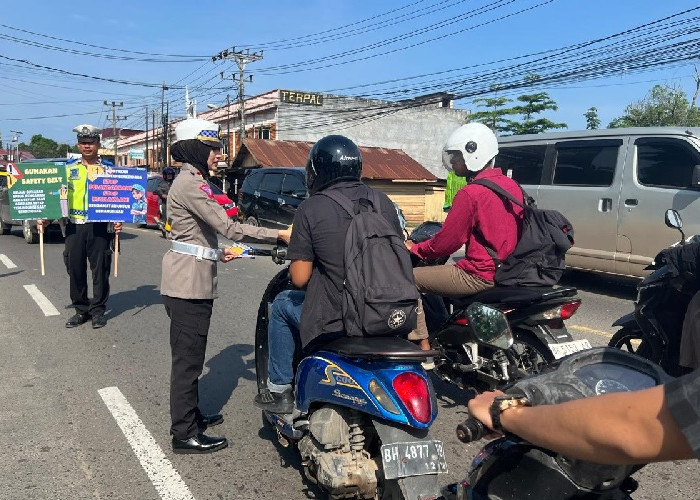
[502, 403]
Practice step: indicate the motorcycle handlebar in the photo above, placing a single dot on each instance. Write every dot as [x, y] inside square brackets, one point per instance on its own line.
[471, 430]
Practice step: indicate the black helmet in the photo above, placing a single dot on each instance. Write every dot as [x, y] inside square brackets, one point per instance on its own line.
[168, 171]
[331, 159]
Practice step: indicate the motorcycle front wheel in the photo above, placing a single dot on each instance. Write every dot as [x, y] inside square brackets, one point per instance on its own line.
[630, 340]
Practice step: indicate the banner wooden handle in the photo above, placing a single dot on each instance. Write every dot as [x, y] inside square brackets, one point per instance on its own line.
[41, 248]
[116, 254]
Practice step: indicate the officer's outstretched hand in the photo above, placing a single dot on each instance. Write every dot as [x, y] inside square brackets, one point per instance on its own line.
[227, 255]
[117, 227]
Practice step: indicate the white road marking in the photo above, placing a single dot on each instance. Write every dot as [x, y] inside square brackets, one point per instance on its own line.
[160, 470]
[6, 260]
[41, 300]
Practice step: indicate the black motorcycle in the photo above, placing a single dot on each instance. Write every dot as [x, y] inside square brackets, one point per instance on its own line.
[511, 468]
[536, 317]
[653, 330]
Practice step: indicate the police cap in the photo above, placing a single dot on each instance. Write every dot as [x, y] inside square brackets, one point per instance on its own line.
[87, 133]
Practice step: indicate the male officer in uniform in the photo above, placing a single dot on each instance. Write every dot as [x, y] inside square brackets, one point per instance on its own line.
[87, 241]
[188, 283]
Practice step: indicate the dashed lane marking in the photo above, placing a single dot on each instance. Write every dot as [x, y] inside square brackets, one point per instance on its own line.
[6, 260]
[160, 470]
[45, 304]
[590, 330]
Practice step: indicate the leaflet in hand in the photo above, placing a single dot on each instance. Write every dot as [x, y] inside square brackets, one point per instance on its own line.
[242, 250]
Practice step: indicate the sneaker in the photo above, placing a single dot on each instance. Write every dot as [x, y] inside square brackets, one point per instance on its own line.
[275, 402]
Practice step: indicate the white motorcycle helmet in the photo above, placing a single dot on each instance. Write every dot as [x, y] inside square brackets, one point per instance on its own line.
[203, 130]
[475, 142]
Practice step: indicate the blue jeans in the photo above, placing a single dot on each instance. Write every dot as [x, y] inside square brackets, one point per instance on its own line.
[283, 339]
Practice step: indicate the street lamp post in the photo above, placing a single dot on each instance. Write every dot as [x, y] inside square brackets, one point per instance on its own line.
[15, 139]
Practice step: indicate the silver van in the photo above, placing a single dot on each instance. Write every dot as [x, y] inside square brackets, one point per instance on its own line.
[614, 185]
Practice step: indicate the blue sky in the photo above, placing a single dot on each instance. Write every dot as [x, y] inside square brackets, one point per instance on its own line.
[410, 38]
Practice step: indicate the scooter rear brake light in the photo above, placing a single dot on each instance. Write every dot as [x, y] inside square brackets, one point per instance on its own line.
[563, 311]
[413, 392]
[568, 310]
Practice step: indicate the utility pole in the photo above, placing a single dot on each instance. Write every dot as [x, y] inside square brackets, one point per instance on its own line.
[15, 138]
[115, 118]
[146, 155]
[166, 133]
[228, 130]
[163, 123]
[241, 59]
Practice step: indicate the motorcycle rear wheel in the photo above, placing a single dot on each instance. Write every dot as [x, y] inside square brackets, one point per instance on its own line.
[630, 340]
[529, 353]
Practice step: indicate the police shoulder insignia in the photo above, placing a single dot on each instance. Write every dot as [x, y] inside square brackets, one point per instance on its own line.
[207, 190]
[71, 161]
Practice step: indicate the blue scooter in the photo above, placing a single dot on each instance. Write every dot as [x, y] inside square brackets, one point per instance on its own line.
[363, 409]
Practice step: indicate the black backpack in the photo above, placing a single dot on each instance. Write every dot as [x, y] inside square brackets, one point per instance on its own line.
[379, 292]
[538, 258]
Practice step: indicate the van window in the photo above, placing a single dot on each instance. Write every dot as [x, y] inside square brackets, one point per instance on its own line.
[665, 162]
[272, 183]
[586, 163]
[293, 184]
[522, 163]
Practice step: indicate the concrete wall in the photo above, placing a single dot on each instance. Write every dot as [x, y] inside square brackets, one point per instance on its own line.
[419, 131]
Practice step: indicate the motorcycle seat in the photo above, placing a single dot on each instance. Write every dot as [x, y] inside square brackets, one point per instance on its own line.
[393, 348]
[515, 295]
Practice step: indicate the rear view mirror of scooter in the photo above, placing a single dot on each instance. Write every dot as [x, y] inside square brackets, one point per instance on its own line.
[673, 219]
[489, 325]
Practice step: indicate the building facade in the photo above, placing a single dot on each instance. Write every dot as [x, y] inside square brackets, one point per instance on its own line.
[418, 126]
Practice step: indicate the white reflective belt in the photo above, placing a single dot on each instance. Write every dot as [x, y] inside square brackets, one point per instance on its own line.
[198, 251]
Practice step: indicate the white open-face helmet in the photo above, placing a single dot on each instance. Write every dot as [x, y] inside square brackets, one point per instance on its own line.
[203, 130]
[475, 142]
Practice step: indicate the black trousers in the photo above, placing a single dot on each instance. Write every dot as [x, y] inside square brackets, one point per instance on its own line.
[189, 326]
[88, 243]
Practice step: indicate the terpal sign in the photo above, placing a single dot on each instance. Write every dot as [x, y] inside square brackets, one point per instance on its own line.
[298, 97]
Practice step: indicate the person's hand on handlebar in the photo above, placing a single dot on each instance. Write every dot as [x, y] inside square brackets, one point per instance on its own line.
[479, 409]
[409, 244]
[284, 235]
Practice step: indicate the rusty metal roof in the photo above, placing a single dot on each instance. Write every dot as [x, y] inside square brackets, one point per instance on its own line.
[377, 163]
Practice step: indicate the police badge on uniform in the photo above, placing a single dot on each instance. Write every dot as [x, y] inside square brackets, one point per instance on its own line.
[74, 174]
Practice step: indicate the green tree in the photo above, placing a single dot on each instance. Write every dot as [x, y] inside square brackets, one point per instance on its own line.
[495, 115]
[43, 147]
[664, 105]
[592, 120]
[533, 104]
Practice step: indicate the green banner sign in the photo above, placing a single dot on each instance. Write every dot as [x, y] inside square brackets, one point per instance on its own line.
[37, 190]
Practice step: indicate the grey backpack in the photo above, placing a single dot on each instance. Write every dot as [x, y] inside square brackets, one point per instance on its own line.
[379, 293]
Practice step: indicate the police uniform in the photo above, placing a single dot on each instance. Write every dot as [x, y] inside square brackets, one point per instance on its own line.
[188, 286]
[86, 241]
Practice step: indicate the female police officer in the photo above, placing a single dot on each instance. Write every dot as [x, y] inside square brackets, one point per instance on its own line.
[189, 278]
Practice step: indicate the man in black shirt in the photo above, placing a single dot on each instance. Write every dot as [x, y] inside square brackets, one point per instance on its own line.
[300, 320]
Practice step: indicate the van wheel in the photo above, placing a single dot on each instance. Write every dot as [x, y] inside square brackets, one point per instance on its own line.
[31, 235]
[4, 227]
[252, 221]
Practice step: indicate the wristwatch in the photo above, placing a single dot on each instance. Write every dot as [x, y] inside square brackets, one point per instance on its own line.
[502, 403]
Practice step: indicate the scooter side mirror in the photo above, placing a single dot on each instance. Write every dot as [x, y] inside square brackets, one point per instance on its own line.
[489, 325]
[673, 219]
